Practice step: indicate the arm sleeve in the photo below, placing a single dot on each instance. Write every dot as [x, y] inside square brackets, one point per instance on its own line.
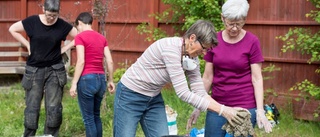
[196, 83]
[78, 40]
[178, 79]
[67, 27]
[106, 43]
[28, 24]
[208, 57]
[255, 53]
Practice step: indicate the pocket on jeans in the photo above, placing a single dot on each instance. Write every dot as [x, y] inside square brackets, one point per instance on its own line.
[61, 73]
[129, 95]
[27, 79]
[62, 77]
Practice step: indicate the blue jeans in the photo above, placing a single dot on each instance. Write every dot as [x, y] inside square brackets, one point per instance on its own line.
[130, 108]
[214, 123]
[91, 88]
[47, 82]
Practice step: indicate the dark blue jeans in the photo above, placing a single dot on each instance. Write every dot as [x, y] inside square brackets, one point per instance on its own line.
[91, 88]
[47, 82]
[214, 123]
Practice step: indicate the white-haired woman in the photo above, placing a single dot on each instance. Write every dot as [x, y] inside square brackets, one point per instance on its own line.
[233, 71]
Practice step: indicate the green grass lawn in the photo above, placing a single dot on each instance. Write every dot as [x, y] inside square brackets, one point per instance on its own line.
[12, 107]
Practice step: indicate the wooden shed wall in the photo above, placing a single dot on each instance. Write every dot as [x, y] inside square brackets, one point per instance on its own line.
[267, 19]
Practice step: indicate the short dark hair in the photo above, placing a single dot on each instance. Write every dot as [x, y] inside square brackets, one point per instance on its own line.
[84, 17]
[52, 5]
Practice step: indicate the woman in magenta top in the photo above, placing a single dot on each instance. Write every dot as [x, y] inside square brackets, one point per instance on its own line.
[233, 71]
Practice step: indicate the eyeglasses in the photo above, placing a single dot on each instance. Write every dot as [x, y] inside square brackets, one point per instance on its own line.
[203, 48]
[51, 15]
[201, 44]
[238, 25]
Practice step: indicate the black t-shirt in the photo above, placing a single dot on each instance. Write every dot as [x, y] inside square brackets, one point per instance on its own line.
[45, 41]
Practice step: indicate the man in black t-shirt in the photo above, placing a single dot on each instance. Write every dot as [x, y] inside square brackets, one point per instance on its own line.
[45, 73]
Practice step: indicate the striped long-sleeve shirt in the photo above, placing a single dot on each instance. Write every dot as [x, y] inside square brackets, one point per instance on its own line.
[161, 64]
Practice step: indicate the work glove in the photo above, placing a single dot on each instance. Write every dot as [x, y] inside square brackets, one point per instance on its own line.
[232, 114]
[242, 130]
[262, 121]
[193, 118]
[65, 58]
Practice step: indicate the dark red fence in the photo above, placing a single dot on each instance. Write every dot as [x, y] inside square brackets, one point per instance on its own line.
[267, 19]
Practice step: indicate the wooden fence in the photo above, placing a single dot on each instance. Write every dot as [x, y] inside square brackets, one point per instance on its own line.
[267, 19]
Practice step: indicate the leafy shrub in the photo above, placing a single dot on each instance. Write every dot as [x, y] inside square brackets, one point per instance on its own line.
[308, 90]
[71, 71]
[117, 74]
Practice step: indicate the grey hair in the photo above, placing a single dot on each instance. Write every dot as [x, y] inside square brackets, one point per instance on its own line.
[52, 5]
[235, 9]
[204, 31]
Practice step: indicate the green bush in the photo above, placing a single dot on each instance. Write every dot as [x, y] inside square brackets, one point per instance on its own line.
[71, 71]
[117, 74]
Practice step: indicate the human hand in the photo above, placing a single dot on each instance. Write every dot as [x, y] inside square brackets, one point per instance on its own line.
[73, 92]
[111, 87]
[65, 58]
[231, 114]
[262, 121]
[193, 118]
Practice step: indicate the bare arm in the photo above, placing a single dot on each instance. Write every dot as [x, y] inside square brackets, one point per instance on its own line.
[109, 62]
[78, 70]
[257, 81]
[208, 76]
[67, 47]
[72, 33]
[15, 30]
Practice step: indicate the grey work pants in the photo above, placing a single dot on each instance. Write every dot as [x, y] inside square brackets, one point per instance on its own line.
[47, 82]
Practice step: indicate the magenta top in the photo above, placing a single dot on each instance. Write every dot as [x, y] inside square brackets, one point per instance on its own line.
[94, 44]
[232, 84]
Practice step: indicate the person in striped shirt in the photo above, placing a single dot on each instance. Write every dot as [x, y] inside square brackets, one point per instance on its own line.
[172, 59]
